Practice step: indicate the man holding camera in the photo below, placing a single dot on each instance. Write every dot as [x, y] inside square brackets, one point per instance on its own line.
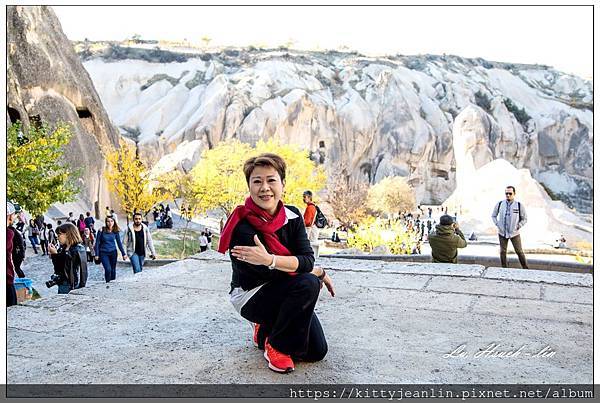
[509, 217]
[445, 241]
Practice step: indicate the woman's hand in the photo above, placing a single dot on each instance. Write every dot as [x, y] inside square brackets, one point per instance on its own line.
[256, 255]
[329, 284]
[52, 249]
[124, 257]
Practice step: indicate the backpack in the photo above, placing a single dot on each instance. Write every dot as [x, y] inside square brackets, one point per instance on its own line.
[320, 219]
[18, 249]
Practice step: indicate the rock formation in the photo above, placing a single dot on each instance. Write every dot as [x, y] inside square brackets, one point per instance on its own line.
[376, 116]
[481, 183]
[47, 83]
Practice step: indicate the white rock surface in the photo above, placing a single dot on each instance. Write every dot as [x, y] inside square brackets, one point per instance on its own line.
[377, 116]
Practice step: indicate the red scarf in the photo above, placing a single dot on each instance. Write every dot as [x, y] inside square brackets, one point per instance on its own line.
[261, 221]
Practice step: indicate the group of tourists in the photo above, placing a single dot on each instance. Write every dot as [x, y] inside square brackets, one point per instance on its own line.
[162, 216]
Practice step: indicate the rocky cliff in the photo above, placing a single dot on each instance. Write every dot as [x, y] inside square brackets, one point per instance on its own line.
[376, 116]
[46, 82]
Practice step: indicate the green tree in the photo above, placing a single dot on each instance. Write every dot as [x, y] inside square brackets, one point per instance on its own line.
[36, 174]
[391, 195]
[219, 182]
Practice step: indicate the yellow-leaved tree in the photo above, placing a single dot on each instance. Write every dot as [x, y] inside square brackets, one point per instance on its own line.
[391, 195]
[219, 182]
[131, 181]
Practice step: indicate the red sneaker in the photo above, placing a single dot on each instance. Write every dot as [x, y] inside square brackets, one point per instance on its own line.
[255, 335]
[278, 361]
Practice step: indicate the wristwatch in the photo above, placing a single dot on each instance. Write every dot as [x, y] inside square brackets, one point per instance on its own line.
[272, 265]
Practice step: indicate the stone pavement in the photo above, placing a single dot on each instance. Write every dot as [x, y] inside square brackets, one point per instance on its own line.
[389, 322]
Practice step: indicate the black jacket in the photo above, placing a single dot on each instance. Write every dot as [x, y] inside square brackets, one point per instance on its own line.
[18, 252]
[292, 235]
[71, 265]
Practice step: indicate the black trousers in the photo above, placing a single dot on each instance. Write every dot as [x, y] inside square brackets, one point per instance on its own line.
[285, 310]
[516, 242]
[11, 295]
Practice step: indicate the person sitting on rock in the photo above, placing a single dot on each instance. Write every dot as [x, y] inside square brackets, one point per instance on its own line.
[274, 284]
[445, 241]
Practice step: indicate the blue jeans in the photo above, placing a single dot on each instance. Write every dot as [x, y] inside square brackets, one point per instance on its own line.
[34, 242]
[109, 262]
[64, 288]
[137, 262]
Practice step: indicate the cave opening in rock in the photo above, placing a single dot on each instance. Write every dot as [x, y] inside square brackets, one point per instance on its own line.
[13, 114]
[83, 112]
[321, 144]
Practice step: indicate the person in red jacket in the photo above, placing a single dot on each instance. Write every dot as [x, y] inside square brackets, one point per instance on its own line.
[309, 217]
[11, 293]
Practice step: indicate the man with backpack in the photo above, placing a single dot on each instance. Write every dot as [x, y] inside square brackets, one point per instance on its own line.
[314, 219]
[509, 216]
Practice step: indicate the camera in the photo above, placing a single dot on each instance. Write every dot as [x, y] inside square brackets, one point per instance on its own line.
[55, 279]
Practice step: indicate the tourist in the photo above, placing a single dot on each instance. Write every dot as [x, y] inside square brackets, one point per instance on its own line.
[107, 212]
[11, 293]
[69, 261]
[18, 250]
[137, 239]
[310, 214]
[274, 284]
[44, 239]
[32, 233]
[209, 238]
[90, 222]
[113, 215]
[81, 224]
[71, 219]
[445, 241]
[203, 242]
[88, 242]
[509, 216]
[105, 250]
[52, 238]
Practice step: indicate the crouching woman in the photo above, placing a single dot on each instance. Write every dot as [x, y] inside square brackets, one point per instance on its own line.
[70, 263]
[274, 284]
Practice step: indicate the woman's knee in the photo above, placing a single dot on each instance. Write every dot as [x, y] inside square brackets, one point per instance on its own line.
[309, 283]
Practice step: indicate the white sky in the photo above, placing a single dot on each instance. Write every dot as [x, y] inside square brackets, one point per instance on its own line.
[553, 35]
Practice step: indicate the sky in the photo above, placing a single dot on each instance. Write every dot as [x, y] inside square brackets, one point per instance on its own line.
[559, 36]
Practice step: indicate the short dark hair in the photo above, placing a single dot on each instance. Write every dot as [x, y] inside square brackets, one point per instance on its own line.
[265, 160]
[513, 188]
[446, 219]
[137, 213]
[307, 193]
[87, 214]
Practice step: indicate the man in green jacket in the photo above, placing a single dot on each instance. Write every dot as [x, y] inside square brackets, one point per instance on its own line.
[445, 241]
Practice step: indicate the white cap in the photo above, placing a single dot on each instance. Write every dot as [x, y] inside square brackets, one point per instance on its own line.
[10, 208]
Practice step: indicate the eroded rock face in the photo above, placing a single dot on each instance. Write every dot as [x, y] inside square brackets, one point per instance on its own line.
[481, 182]
[376, 116]
[46, 80]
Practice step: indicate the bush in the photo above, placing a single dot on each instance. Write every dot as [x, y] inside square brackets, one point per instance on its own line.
[483, 101]
[372, 233]
[519, 113]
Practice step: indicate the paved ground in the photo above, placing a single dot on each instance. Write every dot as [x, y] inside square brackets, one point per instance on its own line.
[388, 323]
